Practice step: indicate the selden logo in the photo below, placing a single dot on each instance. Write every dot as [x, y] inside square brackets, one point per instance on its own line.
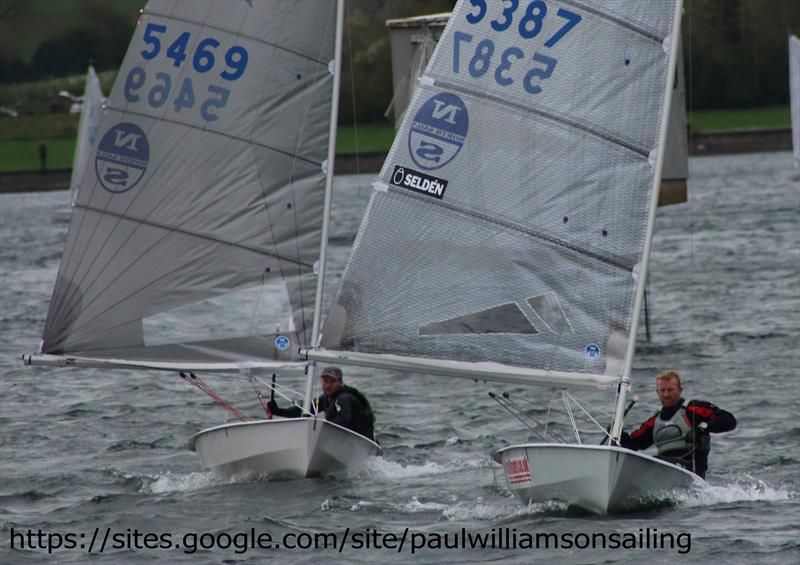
[122, 157]
[438, 131]
[418, 182]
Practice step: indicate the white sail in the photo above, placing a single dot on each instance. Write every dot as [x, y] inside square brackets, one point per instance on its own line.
[204, 195]
[91, 110]
[511, 220]
[794, 94]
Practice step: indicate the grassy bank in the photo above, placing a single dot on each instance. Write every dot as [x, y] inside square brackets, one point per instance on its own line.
[713, 121]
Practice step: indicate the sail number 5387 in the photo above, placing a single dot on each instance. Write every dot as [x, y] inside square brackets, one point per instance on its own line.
[482, 56]
[482, 60]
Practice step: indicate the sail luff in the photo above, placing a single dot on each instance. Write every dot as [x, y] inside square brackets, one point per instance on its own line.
[643, 268]
[323, 245]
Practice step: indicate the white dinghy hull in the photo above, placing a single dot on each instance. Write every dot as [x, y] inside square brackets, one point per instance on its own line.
[600, 479]
[282, 448]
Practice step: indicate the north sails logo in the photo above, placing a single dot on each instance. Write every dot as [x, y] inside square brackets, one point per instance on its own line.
[418, 182]
[122, 157]
[438, 131]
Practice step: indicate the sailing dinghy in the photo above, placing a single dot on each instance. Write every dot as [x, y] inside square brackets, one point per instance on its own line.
[508, 235]
[197, 242]
[91, 109]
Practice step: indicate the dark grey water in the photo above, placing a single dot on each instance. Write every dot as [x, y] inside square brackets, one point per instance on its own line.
[86, 449]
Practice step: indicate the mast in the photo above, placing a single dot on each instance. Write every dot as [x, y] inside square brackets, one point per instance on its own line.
[323, 246]
[624, 385]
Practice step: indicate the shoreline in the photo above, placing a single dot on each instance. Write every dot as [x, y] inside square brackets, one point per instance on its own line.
[700, 144]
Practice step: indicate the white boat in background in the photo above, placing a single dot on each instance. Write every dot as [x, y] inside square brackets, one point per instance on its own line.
[91, 108]
[208, 199]
[794, 94]
[508, 236]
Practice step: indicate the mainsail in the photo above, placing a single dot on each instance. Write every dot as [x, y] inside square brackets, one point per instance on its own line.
[205, 198]
[794, 94]
[91, 110]
[509, 228]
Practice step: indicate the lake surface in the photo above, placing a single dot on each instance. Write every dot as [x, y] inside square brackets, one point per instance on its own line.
[85, 453]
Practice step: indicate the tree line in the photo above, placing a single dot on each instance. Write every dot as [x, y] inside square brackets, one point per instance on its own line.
[735, 51]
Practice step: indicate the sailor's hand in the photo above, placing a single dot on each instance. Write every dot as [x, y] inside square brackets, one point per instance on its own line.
[625, 439]
[694, 434]
[273, 406]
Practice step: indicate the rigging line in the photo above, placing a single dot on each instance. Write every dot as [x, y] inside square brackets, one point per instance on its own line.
[270, 226]
[553, 435]
[618, 263]
[547, 115]
[689, 192]
[649, 33]
[248, 37]
[275, 388]
[578, 404]
[353, 88]
[230, 137]
[330, 27]
[195, 380]
[524, 423]
[571, 417]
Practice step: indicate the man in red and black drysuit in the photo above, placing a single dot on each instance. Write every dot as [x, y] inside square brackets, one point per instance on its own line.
[680, 430]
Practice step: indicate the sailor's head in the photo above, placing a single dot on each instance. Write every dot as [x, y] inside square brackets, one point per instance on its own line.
[668, 388]
[331, 380]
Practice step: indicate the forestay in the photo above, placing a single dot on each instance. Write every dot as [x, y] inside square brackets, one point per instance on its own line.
[794, 94]
[510, 219]
[205, 196]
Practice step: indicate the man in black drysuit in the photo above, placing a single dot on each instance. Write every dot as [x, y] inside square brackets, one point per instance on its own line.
[342, 405]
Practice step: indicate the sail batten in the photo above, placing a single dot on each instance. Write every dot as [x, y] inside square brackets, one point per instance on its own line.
[205, 23]
[244, 140]
[613, 261]
[627, 24]
[205, 237]
[549, 115]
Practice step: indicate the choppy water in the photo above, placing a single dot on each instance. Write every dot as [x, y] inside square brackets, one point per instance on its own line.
[86, 449]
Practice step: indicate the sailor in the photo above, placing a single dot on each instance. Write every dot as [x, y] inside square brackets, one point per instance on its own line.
[680, 430]
[342, 404]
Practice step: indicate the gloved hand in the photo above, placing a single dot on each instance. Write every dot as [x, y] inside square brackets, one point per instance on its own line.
[694, 435]
[273, 406]
[625, 439]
